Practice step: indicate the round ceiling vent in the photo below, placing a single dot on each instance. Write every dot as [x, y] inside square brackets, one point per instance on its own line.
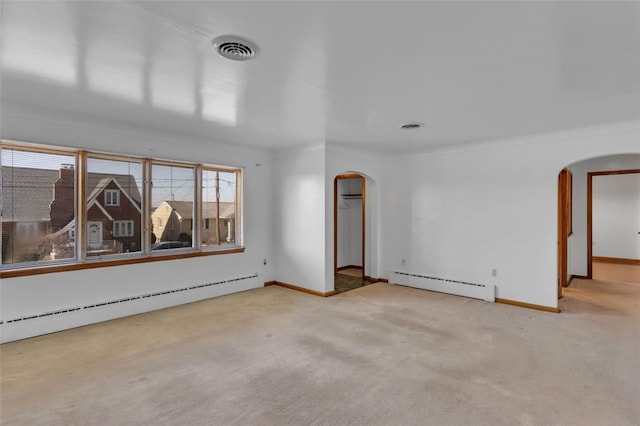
[410, 126]
[235, 48]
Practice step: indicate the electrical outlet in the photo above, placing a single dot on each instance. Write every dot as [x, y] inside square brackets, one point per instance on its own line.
[404, 262]
[494, 272]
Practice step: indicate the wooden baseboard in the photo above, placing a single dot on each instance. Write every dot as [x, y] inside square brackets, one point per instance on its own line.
[375, 280]
[527, 305]
[616, 260]
[349, 267]
[298, 288]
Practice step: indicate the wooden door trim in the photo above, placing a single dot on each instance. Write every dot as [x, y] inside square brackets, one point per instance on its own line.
[335, 226]
[590, 176]
[563, 180]
[364, 205]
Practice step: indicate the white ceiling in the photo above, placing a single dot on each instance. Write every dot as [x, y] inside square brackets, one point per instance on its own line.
[343, 72]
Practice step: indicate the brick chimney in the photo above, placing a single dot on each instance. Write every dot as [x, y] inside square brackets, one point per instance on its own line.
[62, 207]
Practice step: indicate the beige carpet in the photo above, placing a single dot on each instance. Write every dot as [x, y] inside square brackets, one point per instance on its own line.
[378, 355]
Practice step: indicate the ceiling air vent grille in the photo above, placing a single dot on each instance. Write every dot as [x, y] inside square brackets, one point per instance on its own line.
[235, 48]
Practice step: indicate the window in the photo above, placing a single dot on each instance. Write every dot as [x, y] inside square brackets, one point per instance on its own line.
[27, 229]
[119, 183]
[41, 198]
[123, 228]
[219, 193]
[111, 197]
[38, 205]
[173, 203]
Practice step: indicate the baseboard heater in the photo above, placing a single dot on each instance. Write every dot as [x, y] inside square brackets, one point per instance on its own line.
[443, 285]
[127, 299]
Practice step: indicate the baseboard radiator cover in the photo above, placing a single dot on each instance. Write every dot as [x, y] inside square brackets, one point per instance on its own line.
[120, 306]
[443, 285]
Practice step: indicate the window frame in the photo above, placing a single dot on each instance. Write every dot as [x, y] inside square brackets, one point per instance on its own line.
[238, 202]
[50, 150]
[129, 226]
[195, 230]
[83, 206]
[80, 260]
[109, 196]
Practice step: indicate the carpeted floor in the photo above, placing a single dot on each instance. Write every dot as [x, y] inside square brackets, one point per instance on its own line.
[377, 355]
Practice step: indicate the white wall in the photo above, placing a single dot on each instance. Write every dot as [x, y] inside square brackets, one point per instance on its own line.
[458, 213]
[299, 217]
[577, 248]
[304, 217]
[38, 294]
[355, 225]
[616, 216]
[344, 236]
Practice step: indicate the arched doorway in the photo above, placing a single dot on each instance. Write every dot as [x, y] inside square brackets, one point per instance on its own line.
[575, 208]
[349, 232]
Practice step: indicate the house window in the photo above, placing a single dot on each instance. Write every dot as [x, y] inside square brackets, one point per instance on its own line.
[38, 203]
[173, 203]
[123, 228]
[118, 182]
[219, 207]
[27, 229]
[111, 197]
[41, 196]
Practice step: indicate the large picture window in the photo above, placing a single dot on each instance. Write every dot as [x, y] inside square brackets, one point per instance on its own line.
[114, 206]
[219, 194]
[67, 208]
[38, 206]
[172, 205]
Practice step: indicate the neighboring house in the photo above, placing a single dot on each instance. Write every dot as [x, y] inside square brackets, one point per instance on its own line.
[25, 210]
[40, 203]
[172, 218]
[114, 212]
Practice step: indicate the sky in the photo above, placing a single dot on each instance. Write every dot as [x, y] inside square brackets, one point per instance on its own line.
[169, 182]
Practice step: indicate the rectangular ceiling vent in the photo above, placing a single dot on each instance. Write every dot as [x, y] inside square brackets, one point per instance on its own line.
[444, 285]
[129, 299]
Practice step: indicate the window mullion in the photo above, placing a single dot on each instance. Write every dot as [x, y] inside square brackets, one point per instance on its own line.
[146, 206]
[81, 206]
[197, 210]
[239, 235]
